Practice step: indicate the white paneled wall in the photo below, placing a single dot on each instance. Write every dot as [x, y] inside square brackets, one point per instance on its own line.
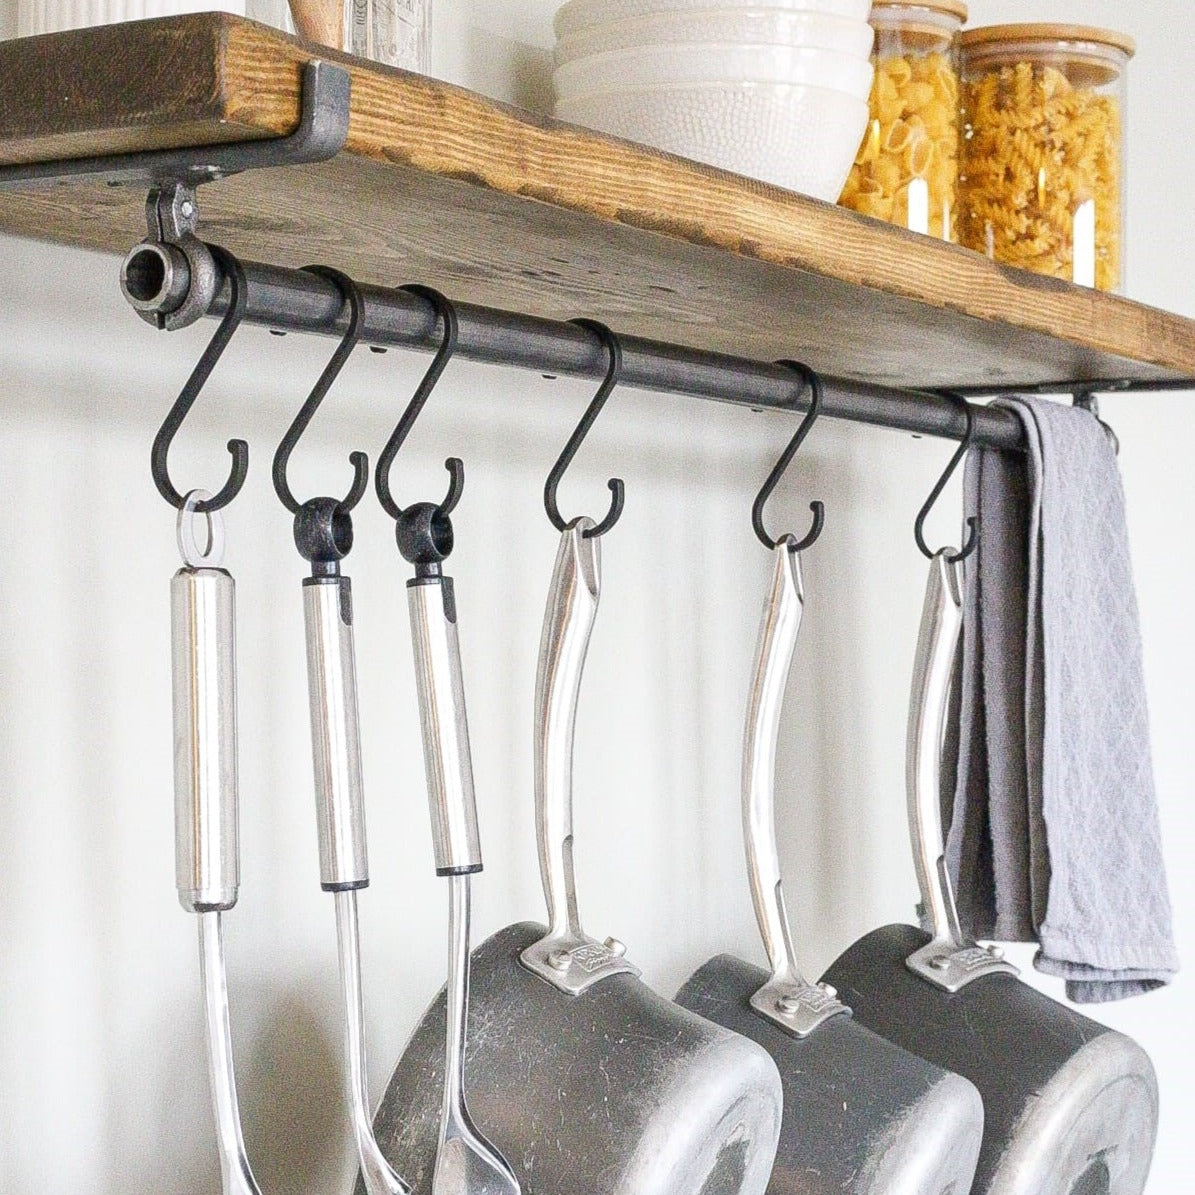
[102, 1076]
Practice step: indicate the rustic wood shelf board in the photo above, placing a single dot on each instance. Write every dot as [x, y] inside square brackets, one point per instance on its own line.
[498, 207]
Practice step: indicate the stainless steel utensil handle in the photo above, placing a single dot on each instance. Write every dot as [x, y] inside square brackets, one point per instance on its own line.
[787, 999]
[203, 645]
[236, 1176]
[446, 755]
[380, 1178]
[459, 918]
[950, 961]
[566, 957]
[335, 732]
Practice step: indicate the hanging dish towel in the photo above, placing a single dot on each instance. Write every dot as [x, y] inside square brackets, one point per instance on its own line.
[1054, 835]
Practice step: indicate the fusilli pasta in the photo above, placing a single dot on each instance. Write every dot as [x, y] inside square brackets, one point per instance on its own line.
[1037, 149]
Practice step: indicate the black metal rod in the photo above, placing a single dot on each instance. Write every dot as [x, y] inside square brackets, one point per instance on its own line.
[297, 301]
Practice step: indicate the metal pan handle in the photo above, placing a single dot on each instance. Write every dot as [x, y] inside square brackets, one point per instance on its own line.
[787, 999]
[949, 961]
[566, 957]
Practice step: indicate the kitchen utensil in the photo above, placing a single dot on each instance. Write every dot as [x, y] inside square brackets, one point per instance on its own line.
[323, 531]
[860, 1115]
[207, 853]
[465, 1162]
[1070, 1106]
[320, 21]
[588, 1082]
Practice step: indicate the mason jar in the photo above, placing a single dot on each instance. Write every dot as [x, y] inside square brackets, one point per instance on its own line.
[1043, 165]
[906, 170]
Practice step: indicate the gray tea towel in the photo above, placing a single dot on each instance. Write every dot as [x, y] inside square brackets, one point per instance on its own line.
[1053, 834]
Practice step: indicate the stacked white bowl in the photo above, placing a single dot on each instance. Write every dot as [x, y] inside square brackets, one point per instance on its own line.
[773, 89]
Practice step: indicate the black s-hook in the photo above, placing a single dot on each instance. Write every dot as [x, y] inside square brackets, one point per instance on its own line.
[818, 508]
[423, 530]
[238, 449]
[972, 522]
[615, 484]
[360, 462]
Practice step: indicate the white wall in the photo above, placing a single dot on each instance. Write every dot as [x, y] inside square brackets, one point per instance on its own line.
[101, 1058]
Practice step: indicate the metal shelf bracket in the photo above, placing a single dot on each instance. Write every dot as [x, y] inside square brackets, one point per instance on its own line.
[321, 133]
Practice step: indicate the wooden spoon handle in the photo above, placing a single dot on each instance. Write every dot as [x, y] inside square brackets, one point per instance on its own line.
[319, 21]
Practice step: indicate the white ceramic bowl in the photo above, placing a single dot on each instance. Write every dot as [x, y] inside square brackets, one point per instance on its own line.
[801, 138]
[685, 65]
[581, 14]
[730, 26]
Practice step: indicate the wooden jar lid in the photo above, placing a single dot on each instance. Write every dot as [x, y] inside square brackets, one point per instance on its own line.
[985, 35]
[954, 8]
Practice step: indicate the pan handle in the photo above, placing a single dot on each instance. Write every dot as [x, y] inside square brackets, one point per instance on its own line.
[949, 961]
[566, 957]
[787, 999]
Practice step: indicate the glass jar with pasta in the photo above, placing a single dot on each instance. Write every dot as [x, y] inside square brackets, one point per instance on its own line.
[1043, 169]
[906, 170]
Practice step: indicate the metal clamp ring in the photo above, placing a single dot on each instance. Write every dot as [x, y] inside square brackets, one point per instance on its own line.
[212, 554]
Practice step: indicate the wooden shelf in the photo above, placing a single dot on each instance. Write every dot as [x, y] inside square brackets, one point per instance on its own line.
[498, 207]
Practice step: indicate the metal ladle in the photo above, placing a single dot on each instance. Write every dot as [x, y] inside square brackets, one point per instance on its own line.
[207, 856]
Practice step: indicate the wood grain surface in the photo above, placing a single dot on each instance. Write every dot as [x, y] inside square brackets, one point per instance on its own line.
[497, 206]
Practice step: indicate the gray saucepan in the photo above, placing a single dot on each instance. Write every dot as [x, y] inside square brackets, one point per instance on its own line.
[861, 1115]
[1070, 1106]
[587, 1081]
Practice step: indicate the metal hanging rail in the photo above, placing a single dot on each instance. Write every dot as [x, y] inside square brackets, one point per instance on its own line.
[287, 300]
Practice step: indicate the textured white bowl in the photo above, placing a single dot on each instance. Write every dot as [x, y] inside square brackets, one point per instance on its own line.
[733, 26]
[581, 14]
[685, 65]
[800, 138]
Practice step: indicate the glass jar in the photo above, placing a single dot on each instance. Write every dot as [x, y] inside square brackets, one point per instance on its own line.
[1043, 171]
[394, 32]
[906, 170]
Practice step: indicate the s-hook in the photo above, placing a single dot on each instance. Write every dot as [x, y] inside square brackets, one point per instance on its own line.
[323, 531]
[1086, 399]
[617, 487]
[972, 522]
[423, 530]
[814, 383]
[238, 449]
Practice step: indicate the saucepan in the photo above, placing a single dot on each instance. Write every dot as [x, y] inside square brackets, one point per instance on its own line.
[1071, 1106]
[860, 1114]
[587, 1081]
